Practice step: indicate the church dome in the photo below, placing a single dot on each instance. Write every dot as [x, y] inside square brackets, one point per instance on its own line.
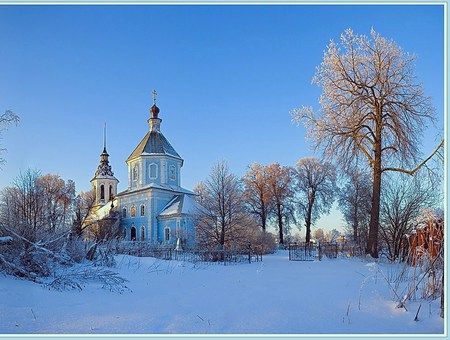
[154, 110]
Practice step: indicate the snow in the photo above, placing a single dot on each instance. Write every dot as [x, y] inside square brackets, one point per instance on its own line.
[105, 210]
[276, 296]
[191, 207]
[188, 206]
[5, 239]
[172, 207]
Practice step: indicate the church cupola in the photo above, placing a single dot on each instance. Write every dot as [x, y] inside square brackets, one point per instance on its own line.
[154, 160]
[104, 183]
[154, 122]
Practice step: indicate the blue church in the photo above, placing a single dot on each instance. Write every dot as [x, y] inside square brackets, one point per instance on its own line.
[154, 207]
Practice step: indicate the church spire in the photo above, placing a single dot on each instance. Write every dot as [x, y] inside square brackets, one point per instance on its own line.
[104, 139]
[104, 168]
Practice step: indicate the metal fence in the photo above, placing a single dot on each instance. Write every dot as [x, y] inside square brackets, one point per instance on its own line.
[316, 251]
[145, 249]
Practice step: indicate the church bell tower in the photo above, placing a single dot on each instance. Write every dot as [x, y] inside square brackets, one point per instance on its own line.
[104, 183]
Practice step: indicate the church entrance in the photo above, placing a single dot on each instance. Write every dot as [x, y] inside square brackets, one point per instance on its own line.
[133, 234]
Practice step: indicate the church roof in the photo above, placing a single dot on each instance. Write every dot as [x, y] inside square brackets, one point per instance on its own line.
[181, 205]
[171, 188]
[153, 143]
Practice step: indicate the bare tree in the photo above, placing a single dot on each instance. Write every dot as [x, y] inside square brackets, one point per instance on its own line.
[316, 186]
[280, 180]
[332, 235]
[22, 206]
[35, 204]
[201, 190]
[403, 202]
[257, 193]
[372, 105]
[224, 219]
[355, 203]
[83, 204]
[35, 212]
[319, 235]
[58, 198]
[6, 119]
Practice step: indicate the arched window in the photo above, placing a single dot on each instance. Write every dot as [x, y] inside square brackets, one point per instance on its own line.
[172, 172]
[133, 234]
[142, 210]
[124, 212]
[102, 192]
[153, 171]
[133, 211]
[167, 234]
[111, 192]
[142, 233]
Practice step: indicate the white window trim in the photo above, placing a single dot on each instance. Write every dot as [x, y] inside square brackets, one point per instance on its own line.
[150, 171]
[174, 178]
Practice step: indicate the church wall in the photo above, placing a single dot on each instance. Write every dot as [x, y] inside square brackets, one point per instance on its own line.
[136, 201]
[154, 202]
[179, 226]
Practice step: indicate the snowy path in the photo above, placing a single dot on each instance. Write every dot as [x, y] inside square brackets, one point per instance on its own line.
[271, 297]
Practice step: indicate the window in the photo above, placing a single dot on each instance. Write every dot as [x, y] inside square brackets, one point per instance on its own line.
[133, 211]
[124, 212]
[172, 173]
[111, 193]
[142, 210]
[133, 234]
[102, 192]
[135, 172]
[153, 171]
[142, 233]
[166, 234]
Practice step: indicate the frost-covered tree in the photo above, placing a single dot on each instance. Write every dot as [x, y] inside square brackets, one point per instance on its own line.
[58, 197]
[319, 235]
[257, 194]
[316, 187]
[6, 119]
[83, 204]
[35, 205]
[332, 235]
[224, 218]
[36, 212]
[371, 105]
[280, 180]
[403, 201]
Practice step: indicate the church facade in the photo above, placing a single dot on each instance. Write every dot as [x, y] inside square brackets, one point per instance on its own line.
[154, 207]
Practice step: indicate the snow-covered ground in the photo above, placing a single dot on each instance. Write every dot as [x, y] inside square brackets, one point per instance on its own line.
[276, 296]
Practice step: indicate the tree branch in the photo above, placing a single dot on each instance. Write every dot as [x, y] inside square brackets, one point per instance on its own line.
[413, 171]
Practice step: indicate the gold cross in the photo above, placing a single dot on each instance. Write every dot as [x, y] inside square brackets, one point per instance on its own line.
[154, 97]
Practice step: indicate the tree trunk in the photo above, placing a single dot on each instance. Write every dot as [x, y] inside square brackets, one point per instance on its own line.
[263, 216]
[355, 216]
[372, 242]
[308, 216]
[280, 223]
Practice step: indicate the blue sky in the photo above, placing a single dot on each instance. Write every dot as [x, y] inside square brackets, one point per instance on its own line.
[226, 76]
